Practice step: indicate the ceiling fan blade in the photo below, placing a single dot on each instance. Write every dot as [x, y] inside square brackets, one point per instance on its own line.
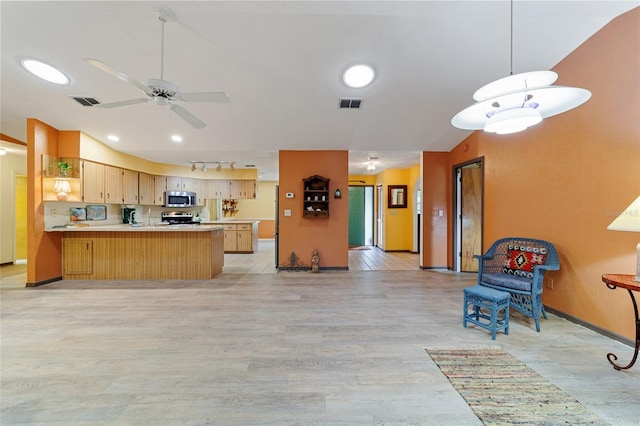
[106, 68]
[122, 103]
[194, 121]
[220, 97]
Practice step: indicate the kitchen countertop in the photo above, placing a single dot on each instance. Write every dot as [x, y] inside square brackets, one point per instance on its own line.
[135, 228]
[207, 222]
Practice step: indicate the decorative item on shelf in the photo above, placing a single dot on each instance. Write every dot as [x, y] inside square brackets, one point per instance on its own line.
[629, 220]
[63, 168]
[62, 189]
[229, 207]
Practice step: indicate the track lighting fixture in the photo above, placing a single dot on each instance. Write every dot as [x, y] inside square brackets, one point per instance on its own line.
[203, 165]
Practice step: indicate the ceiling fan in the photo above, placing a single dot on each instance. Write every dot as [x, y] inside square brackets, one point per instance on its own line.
[161, 91]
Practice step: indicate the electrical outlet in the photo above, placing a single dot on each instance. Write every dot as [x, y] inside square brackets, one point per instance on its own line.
[548, 283]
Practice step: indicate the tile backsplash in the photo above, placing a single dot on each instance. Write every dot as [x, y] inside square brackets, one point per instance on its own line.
[59, 214]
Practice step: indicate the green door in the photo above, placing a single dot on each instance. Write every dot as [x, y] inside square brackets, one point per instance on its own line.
[356, 216]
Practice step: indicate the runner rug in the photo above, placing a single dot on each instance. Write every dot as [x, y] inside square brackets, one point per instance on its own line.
[501, 390]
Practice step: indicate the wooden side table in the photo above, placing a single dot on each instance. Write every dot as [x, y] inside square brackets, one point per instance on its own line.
[625, 281]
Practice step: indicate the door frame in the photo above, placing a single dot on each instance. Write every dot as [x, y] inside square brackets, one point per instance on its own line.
[456, 200]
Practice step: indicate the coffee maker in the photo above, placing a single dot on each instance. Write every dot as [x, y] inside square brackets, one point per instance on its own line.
[126, 215]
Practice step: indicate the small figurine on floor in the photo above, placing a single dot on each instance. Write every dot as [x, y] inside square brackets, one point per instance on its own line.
[315, 259]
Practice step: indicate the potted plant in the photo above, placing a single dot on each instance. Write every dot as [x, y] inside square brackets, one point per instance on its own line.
[64, 168]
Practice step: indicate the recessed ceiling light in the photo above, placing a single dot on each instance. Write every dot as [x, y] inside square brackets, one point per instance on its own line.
[176, 138]
[113, 138]
[358, 76]
[45, 71]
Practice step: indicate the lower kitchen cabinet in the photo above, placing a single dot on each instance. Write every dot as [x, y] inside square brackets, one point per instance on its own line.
[77, 257]
[240, 237]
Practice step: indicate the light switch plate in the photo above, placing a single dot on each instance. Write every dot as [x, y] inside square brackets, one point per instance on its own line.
[289, 195]
[287, 212]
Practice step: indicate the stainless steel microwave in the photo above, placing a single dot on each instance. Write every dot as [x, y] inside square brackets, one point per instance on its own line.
[179, 199]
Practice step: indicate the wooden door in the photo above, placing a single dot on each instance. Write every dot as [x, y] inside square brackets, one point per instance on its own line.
[92, 182]
[244, 241]
[471, 217]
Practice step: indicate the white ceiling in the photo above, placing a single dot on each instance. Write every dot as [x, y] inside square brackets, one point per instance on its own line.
[280, 62]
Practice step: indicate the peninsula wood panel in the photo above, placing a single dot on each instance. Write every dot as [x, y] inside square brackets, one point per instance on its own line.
[171, 255]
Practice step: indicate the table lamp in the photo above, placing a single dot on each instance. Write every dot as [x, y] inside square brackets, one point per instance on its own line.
[62, 189]
[629, 220]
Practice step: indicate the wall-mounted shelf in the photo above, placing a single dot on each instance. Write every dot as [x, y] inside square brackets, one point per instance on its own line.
[315, 197]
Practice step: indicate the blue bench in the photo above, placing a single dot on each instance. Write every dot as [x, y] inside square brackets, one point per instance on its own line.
[493, 301]
[517, 265]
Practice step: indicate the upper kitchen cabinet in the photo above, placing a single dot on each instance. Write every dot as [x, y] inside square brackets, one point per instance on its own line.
[130, 185]
[113, 187]
[146, 188]
[93, 182]
[160, 183]
[181, 184]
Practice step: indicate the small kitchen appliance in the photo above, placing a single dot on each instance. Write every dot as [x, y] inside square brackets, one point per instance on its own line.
[179, 218]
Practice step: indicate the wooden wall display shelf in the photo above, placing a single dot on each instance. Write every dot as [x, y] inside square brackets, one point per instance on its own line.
[315, 199]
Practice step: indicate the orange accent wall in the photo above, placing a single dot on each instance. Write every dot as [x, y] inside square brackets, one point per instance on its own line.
[267, 228]
[566, 179]
[302, 235]
[436, 185]
[43, 249]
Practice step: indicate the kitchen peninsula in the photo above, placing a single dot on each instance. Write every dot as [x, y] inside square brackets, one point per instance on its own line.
[125, 252]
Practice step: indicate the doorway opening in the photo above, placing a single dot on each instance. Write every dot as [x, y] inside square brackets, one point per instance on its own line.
[468, 205]
[361, 216]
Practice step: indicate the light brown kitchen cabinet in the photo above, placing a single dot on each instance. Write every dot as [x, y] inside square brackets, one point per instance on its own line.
[130, 184]
[182, 184]
[244, 242]
[77, 257]
[239, 237]
[92, 182]
[159, 190]
[113, 185]
[146, 186]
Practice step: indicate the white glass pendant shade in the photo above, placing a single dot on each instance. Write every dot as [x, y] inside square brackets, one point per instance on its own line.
[547, 101]
[512, 120]
[515, 83]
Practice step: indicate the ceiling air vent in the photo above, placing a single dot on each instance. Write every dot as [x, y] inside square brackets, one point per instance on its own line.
[85, 101]
[350, 103]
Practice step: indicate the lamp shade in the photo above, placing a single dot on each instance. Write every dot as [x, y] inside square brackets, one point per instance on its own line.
[628, 220]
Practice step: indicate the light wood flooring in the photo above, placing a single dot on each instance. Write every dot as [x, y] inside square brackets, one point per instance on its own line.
[287, 348]
[366, 258]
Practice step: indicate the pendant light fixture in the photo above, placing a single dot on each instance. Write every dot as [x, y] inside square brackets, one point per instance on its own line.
[514, 103]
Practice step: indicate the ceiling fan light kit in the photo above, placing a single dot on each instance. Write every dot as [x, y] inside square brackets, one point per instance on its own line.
[161, 92]
[516, 102]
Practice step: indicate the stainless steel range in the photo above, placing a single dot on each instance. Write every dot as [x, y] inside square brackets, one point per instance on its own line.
[179, 218]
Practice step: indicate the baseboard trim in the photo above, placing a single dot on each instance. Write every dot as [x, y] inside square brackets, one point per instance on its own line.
[39, 283]
[308, 268]
[434, 267]
[593, 327]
